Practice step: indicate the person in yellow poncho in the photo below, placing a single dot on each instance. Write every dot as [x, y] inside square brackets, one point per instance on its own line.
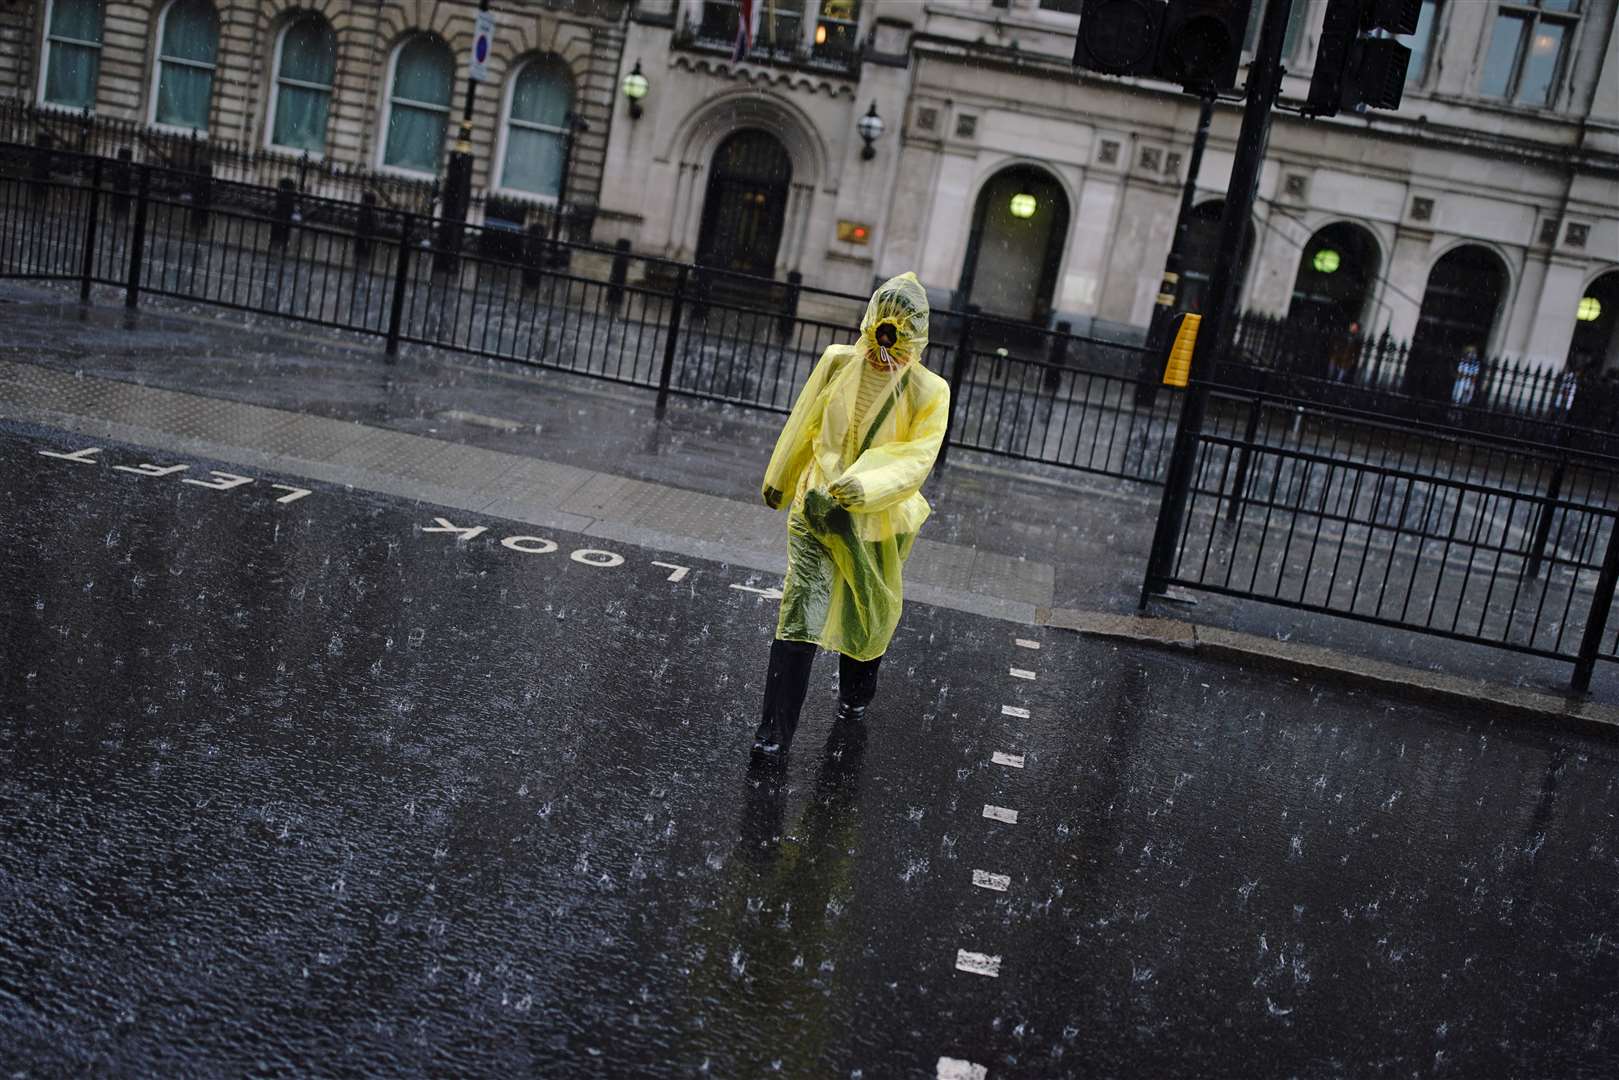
[849, 466]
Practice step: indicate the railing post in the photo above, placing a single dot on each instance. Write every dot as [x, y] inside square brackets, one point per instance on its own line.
[1245, 458]
[396, 310]
[676, 304]
[88, 268]
[285, 207]
[789, 313]
[365, 229]
[120, 182]
[1548, 509]
[619, 274]
[958, 372]
[1596, 623]
[137, 239]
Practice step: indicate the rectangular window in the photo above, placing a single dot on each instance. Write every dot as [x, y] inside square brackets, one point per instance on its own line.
[1290, 38]
[1524, 61]
[73, 54]
[1421, 44]
[837, 31]
[778, 29]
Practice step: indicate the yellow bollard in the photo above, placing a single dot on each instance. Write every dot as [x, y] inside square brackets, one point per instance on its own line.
[1179, 367]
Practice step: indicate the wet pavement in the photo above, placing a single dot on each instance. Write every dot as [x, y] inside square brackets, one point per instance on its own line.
[1093, 530]
[293, 785]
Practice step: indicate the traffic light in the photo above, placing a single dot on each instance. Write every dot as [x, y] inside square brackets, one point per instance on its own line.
[1354, 71]
[1201, 45]
[1119, 37]
[1196, 43]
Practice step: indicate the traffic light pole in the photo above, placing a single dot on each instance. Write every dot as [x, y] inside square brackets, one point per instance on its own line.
[1169, 289]
[1264, 83]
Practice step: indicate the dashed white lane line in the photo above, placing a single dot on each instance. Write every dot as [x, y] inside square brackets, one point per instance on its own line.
[1025, 643]
[995, 882]
[956, 1069]
[978, 963]
[1000, 813]
[1020, 673]
[1011, 761]
[1015, 710]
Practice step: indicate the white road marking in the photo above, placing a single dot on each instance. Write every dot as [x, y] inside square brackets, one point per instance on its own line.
[496, 422]
[530, 545]
[83, 457]
[679, 572]
[986, 880]
[1025, 643]
[592, 557]
[956, 1069]
[225, 483]
[978, 963]
[464, 533]
[768, 594]
[1000, 813]
[1014, 710]
[146, 468]
[298, 493]
[1020, 673]
[1014, 761]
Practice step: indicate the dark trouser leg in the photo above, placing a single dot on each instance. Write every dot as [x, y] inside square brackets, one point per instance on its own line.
[785, 684]
[857, 685]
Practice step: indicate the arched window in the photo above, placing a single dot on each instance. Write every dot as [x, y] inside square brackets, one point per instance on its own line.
[537, 126]
[305, 67]
[187, 45]
[418, 105]
[72, 53]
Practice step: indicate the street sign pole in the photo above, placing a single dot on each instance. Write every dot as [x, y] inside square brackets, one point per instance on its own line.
[1214, 340]
[458, 173]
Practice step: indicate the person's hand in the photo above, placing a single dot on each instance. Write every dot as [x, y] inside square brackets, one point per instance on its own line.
[772, 497]
[847, 491]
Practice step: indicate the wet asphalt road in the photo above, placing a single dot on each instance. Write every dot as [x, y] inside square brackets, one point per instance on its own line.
[296, 788]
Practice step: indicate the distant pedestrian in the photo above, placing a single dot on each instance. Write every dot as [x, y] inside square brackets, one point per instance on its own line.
[1345, 351]
[1466, 384]
[848, 467]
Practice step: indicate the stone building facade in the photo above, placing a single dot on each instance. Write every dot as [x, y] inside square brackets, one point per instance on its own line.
[1484, 212]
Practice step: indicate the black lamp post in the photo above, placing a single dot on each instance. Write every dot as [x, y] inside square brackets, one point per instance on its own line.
[458, 181]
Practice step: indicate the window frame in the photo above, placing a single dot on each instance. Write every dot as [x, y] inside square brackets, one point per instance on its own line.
[1533, 13]
[388, 107]
[276, 80]
[49, 40]
[158, 60]
[506, 121]
[1442, 9]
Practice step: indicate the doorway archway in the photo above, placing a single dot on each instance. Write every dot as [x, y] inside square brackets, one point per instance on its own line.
[1016, 245]
[1459, 309]
[1595, 345]
[745, 206]
[1334, 281]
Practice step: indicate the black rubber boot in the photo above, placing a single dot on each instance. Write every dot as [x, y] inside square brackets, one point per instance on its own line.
[785, 684]
[857, 685]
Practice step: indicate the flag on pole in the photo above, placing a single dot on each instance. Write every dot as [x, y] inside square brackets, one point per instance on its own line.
[744, 30]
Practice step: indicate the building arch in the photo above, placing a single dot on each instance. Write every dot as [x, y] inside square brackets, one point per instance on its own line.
[1335, 284]
[1016, 243]
[1466, 295]
[693, 143]
[1594, 346]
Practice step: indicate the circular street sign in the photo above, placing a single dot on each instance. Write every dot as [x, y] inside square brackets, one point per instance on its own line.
[480, 48]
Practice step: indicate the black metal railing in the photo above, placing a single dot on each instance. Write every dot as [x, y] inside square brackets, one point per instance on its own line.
[1510, 548]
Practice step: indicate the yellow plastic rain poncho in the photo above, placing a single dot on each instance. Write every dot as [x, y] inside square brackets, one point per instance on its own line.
[853, 476]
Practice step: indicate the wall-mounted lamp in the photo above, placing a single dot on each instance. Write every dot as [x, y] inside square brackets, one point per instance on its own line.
[635, 88]
[871, 129]
[1024, 205]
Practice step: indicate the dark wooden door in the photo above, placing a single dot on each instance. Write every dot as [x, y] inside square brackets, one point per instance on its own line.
[746, 205]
